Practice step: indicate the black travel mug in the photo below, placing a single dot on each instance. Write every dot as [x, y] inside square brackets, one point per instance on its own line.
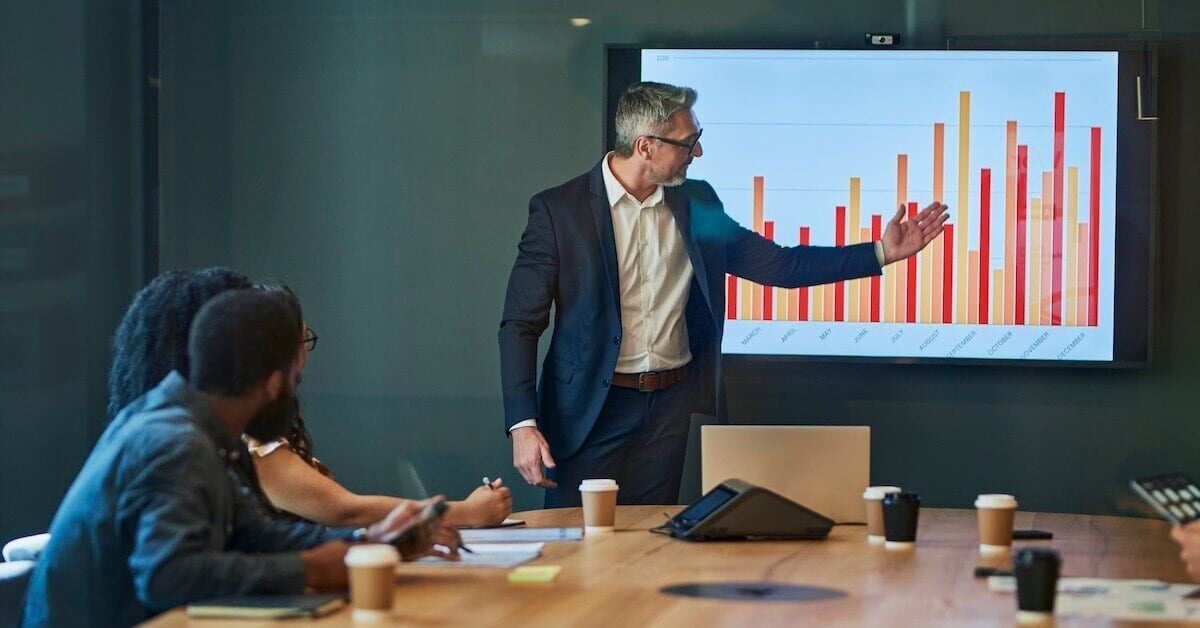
[900, 511]
[1036, 570]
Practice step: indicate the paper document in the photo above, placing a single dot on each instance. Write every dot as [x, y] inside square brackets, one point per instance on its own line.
[505, 555]
[1130, 600]
[520, 535]
[507, 523]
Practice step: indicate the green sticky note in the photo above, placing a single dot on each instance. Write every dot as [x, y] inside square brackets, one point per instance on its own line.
[533, 574]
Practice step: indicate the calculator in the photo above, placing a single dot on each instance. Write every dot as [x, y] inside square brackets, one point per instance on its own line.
[1174, 495]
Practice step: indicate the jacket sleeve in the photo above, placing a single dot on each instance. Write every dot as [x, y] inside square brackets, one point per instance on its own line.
[760, 260]
[532, 288]
[177, 553]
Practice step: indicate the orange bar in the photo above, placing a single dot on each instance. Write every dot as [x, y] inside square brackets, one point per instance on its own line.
[889, 293]
[828, 289]
[794, 304]
[864, 285]
[758, 205]
[757, 297]
[854, 236]
[963, 227]
[817, 311]
[939, 166]
[901, 266]
[1010, 225]
[1034, 316]
[998, 302]
[939, 251]
[1047, 246]
[973, 288]
[1081, 276]
[1070, 281]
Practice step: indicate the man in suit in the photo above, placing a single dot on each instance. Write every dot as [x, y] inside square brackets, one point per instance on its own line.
[633, 255]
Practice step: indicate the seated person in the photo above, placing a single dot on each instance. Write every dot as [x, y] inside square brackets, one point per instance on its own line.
[154, 519]
[296, 482]
[146, 347]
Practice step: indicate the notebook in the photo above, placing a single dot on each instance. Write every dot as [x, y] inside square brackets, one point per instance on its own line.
[268, 606]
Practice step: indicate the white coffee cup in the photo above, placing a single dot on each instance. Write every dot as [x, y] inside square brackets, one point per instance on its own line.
[599, 499]
[996, 513]
[372, 581]
[873, 498]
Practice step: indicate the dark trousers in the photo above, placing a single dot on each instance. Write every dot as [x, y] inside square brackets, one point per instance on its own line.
[639, 440]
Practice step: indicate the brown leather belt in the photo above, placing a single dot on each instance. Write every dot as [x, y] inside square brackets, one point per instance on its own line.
[651, 381]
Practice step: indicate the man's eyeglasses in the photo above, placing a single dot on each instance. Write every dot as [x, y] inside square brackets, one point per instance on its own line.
[310, 340]
[690, 145]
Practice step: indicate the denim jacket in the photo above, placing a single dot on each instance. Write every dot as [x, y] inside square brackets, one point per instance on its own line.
[158, 518]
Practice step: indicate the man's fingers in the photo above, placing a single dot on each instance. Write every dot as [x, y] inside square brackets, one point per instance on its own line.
[896, 219]
[547, 459]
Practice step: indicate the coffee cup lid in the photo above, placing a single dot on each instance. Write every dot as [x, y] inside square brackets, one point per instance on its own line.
[996, 500]
[374, 555]
[877, 492]
[598, 485]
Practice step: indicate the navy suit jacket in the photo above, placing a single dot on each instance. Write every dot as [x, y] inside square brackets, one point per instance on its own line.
[567, 258]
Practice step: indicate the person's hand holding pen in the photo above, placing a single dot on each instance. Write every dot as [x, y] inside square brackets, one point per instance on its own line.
[487, 505]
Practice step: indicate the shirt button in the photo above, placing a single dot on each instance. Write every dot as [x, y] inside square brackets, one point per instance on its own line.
[616, 340]
[605, 382]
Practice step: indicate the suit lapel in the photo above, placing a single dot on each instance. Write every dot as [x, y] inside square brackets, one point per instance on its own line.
[681, 210]
[602, 213]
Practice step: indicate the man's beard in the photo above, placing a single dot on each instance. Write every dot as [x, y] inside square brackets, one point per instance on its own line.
[275, 419]
[673, 178]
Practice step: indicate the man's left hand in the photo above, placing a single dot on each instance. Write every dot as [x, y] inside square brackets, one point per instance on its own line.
[904, 239]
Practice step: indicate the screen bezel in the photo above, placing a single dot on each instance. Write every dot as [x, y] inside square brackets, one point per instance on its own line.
[1136, 174]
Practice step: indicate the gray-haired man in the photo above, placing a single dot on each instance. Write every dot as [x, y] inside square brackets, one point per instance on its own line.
[633, 255]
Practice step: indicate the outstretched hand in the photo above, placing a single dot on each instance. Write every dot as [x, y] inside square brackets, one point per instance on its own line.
[904, 239]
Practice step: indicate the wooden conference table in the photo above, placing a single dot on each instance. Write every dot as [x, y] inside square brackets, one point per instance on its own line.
[615, 579]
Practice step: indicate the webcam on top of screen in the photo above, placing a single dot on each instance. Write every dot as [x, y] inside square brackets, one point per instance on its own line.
[883, 39]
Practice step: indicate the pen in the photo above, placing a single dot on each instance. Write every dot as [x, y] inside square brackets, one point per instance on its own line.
[488, 482]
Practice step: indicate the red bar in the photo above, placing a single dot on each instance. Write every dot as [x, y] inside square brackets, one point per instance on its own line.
[948, 275]
[876, 233]
[985, 229]
[1060, 100]
[839, 288]
[768, 291]
[912, 273]
[804, 231]
[1094, 240]
[1022, 231]
[731, 299]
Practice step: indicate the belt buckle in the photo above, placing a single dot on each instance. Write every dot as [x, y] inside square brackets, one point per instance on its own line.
[642, 380]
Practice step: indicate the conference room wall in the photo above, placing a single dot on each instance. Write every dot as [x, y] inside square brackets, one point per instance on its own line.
[69, 158]
[379, 156]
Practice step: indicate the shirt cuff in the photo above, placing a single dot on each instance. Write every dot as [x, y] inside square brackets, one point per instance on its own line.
[526, 423]
[879, 253]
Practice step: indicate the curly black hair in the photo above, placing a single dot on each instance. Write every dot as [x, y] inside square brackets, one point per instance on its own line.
[298, 437]
[152, 338]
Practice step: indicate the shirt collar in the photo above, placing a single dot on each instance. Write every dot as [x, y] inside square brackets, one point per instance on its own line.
[616, 191]
[175, 389]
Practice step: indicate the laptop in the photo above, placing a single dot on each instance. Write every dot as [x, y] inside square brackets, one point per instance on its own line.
[823, 468]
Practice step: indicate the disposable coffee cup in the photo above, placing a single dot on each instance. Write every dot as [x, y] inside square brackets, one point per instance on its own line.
[996, 514]
[1036, 571]
[599, 505]
[900, 513]
[873, 499]
[372, 581]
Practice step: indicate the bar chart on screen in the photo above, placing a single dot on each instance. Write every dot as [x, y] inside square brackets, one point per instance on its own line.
[822, 148]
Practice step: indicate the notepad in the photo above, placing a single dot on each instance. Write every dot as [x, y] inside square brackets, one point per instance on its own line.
[507, 523]
[267, 606]
[534, 574]
[521, 535]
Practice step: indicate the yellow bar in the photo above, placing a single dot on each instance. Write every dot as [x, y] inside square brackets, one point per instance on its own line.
[781, 304]
[998, 297]
[745, 295]
[864, 285]
[853, 223]
[757, 301]
[889, 293]
[963, 228]
[1034, 289]
[1069, 234]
